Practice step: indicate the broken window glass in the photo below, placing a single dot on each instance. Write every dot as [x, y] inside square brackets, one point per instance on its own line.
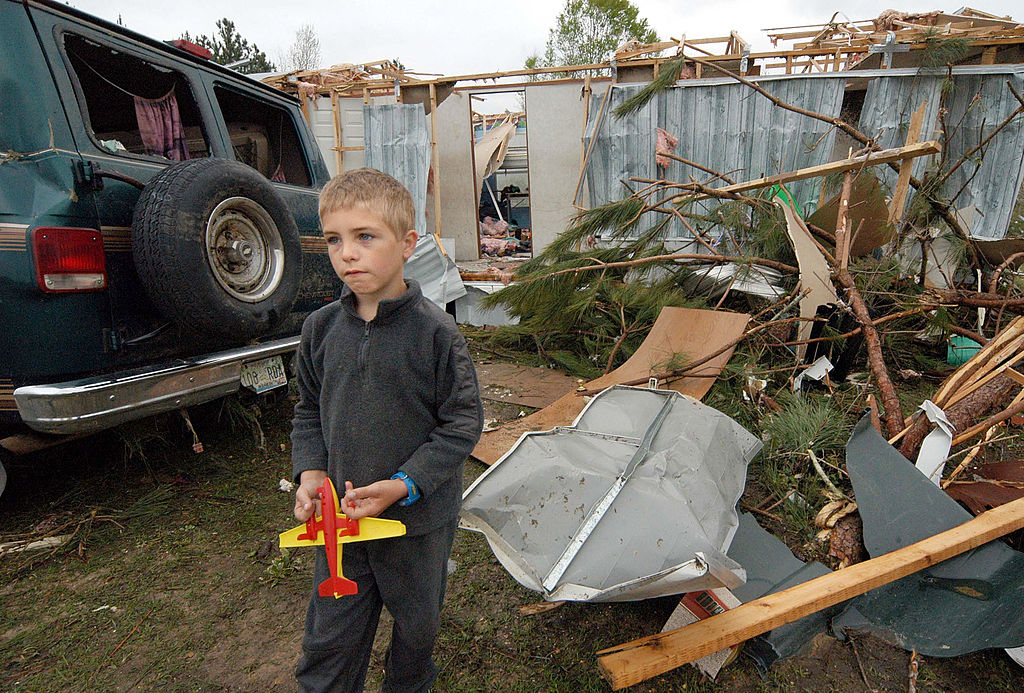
[133, 106]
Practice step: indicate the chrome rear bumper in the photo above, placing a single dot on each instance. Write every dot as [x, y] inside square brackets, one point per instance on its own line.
[92, 404]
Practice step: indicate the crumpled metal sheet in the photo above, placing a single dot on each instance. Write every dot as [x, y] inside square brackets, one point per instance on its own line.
[665, 532]
[436, 272]
[970, 602]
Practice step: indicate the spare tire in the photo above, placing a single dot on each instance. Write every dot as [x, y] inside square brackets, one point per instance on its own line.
[216, 248]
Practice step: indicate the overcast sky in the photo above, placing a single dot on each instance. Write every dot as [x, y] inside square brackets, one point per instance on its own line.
[466, 37]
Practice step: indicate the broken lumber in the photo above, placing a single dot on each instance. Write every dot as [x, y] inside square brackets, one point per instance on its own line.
[899, 195]
[886, 156]
[643, 658]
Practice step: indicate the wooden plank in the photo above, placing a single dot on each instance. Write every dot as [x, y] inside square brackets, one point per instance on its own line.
[885, 156]
[976, 383]
[899, 196]
[435, 162]
[339, 152]
[963, 375]
[643, 658]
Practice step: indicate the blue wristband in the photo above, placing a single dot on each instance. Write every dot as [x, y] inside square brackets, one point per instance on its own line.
[410, 487]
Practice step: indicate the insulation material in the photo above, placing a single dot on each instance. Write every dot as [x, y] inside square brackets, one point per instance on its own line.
[637, 499]
[666, 145]
[694, 333]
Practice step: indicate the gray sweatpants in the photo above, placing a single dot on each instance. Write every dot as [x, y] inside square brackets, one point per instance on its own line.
[407, 575]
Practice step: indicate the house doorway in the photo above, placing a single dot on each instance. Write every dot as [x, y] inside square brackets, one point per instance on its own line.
[501, 174]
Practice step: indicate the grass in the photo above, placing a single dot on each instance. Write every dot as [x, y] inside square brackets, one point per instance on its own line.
[183, 587]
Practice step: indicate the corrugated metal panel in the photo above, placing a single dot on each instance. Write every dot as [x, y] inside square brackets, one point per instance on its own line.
[976, 105]
[993, 187]
[724, 126]
[397, 142]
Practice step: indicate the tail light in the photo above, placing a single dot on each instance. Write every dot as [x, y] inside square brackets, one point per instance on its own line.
[69, 259]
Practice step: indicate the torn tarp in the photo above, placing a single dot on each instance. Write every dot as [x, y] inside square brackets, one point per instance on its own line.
[772, 567]
[637, 499]
[971, 602]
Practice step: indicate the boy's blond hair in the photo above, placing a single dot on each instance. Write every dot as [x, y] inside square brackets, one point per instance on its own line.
[374, 191]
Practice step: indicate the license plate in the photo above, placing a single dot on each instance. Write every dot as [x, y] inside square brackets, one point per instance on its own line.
[265, 374]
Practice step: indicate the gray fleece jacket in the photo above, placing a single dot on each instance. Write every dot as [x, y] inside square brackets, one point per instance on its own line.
[397, 393]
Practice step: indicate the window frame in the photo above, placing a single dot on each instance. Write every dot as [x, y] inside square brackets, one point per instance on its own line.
[214, 146]
[289, 113]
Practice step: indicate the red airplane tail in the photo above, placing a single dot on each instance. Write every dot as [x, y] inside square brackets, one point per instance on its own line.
[335, 586]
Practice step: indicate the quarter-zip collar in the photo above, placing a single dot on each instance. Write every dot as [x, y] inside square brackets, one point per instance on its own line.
[387, 308]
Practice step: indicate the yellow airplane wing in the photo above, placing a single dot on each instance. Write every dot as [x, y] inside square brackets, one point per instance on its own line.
[370, 528]
[374, 528]
[291, 538]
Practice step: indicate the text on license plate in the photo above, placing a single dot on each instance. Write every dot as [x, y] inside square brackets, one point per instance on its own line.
[265, 374]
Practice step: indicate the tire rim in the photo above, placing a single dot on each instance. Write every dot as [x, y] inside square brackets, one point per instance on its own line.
[244, 249]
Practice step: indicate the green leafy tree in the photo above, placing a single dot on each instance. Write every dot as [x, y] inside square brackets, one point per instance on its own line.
[228, 47]
[588, 31]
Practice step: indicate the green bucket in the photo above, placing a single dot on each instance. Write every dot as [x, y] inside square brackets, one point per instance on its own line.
[959, 350]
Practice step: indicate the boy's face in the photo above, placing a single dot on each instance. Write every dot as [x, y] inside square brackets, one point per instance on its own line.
[366, 254]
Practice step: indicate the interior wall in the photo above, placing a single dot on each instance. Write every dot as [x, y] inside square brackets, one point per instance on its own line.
[455, 160]
[554, 129]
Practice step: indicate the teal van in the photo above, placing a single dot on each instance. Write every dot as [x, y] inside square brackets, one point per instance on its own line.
[159, 241]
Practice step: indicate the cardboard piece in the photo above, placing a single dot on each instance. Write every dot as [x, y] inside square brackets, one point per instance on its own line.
[867, 211]
[814, 273]
[686, 331]
[696, 606]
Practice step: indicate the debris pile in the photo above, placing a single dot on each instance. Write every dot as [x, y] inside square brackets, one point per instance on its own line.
[884, 294]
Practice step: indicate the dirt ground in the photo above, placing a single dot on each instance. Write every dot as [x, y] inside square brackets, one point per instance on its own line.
[173, 581]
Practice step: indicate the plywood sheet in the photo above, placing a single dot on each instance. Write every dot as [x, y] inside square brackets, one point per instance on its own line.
[524, 385]
[678, 333]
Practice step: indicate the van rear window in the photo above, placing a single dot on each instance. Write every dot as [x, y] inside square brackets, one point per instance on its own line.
[264, 137]
[133, 106]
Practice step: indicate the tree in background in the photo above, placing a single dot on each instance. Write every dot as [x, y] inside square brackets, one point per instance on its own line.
[228, 47]
[304, 53]
[588, 31]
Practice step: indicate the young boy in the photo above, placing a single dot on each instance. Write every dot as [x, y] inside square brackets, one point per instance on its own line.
[388, 408]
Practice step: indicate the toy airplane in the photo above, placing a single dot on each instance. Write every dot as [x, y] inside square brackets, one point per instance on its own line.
[332, 529]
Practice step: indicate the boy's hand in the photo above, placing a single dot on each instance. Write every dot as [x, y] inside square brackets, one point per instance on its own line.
[307, 500]
[372, 500]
